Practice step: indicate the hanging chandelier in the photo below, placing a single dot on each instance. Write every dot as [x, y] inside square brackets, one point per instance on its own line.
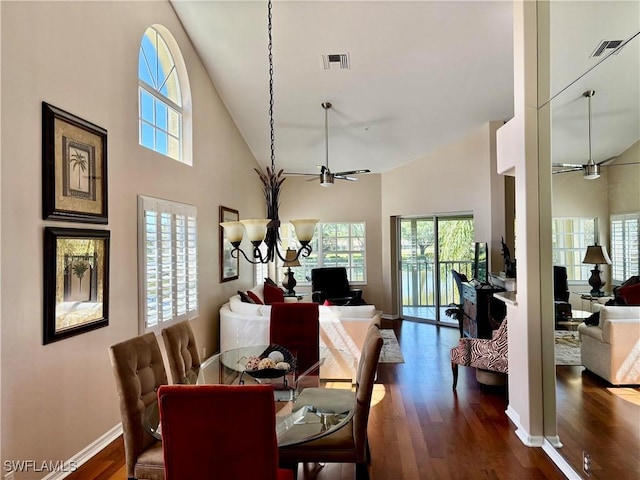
[267, 229]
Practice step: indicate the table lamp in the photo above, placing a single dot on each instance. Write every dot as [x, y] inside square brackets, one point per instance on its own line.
[596, 255]
[288, 282]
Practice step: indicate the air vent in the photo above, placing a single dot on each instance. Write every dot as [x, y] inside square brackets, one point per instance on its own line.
[336, 61]
[606, 46]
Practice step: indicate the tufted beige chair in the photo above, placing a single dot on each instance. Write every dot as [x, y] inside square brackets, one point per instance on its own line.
[139, 371]
[182, 352]
[349, 443]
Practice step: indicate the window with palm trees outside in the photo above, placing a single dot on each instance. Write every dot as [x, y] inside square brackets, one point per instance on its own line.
[430, 247]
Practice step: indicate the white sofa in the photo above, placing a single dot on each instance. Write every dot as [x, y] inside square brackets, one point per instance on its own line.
[611, 349]
[342, 327]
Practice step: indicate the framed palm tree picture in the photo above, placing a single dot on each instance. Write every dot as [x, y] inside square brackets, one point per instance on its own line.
[76, 282]
[74, 168]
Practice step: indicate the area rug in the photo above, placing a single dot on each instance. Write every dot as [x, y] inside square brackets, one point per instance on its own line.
[567, 348]
[390, 348]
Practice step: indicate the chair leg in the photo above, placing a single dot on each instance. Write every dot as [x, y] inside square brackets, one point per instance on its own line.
[367, 452]
[291, 466]
[454, 369]
[362, 472]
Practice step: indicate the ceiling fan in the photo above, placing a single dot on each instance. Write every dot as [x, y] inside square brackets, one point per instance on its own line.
[591, 170]
[327, 177]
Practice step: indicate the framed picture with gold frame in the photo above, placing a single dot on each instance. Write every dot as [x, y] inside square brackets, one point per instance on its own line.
[76, 282]
[229, 266]
[74, 168]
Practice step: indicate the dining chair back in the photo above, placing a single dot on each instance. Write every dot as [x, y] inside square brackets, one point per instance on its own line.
[182, 352]
[139, 372]
[349, 443]
[219, 432]
[296, 327]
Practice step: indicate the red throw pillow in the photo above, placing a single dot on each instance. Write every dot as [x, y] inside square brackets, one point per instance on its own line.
[254, 297]
[630, 294]
[272, 294]
[327, 303]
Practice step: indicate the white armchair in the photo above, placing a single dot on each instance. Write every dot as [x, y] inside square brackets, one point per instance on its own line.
[611, 349]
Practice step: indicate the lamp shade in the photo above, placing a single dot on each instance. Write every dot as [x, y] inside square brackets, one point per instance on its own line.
[233, 231]
[290, 260]
[596, 255]
[304, 228]
[256, 228]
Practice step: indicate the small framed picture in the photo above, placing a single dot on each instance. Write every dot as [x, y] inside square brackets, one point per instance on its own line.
[76, 282]
[229, 266]
[74, 168]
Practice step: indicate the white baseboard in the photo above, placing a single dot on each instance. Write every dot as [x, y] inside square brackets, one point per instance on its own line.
[521, 432]
[560, 462]
[84, 455]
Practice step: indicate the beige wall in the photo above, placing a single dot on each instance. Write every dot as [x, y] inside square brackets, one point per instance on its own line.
[624, 181]
[454, 179]
[82, 57]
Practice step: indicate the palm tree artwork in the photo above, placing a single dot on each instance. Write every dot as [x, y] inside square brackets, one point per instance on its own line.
[78, 159]
[79, 269]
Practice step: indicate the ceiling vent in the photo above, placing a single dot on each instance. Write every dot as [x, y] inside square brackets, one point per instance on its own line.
[606, 46]
[336, 61]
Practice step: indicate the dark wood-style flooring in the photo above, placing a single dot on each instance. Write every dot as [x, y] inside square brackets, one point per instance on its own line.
[420, 429]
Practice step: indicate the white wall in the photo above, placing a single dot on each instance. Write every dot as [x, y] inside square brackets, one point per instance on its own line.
[82, 57]
[454, 179]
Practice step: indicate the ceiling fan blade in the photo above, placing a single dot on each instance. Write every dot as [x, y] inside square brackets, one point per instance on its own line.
[342, 177]
[301, 174]
[567, 165]
[566, 170]
[313, 179]
[606, 160]
[353, 172]
[620, 164]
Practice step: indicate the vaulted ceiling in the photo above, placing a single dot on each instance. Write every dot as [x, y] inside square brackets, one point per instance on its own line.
[421, 74]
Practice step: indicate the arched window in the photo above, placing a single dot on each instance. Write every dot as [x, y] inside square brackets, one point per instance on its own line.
[163, 96]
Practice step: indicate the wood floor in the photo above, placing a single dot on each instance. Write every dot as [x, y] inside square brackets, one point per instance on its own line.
[600, 419]
[420, 429]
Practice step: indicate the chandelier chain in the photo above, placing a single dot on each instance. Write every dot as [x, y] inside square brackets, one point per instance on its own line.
[272, 137]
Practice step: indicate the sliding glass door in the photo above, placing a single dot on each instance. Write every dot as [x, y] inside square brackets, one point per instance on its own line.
[430, 247]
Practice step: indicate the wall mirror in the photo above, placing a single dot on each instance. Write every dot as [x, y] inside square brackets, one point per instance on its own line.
[582, 37]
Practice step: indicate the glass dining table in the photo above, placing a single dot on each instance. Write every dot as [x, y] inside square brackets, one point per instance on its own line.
[309, 405]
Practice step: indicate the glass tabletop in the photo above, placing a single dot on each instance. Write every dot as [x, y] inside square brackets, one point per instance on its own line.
[307, 406]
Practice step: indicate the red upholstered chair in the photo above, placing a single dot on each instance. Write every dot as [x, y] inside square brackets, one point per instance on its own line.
[485, 354]
[296, 327]
[219, 432]
[349, 443]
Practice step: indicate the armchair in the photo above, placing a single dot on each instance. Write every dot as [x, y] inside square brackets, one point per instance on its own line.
[562, 307]
[485, 354]
[331, 284]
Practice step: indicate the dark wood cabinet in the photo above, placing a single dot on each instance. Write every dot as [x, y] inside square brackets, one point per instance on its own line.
[482, 313]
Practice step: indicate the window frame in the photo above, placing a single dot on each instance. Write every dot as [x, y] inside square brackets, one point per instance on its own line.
[180, 291]
[182, 109]
[627, 268]
[315, 260]
[578, 250]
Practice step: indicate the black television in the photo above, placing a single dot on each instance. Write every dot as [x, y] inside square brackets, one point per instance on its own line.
[481, 263]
